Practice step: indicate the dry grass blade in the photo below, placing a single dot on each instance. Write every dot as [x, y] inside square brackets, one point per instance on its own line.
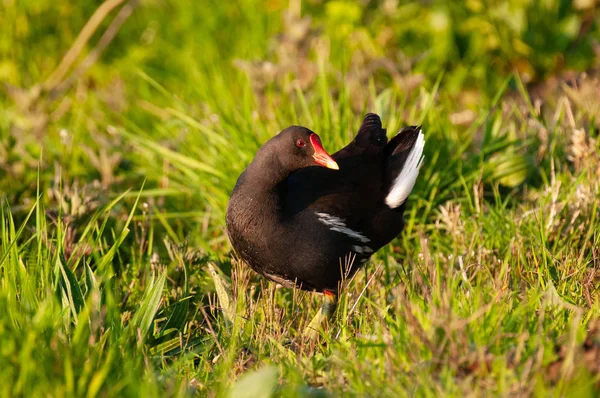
[84, 36]
[108, 36]
[223, 293]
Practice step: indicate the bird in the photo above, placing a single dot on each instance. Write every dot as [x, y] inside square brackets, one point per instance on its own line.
[306, 219]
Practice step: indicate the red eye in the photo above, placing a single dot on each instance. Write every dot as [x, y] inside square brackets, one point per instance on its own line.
[300, 143]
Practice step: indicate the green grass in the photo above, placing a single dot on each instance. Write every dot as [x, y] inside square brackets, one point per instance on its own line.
[114, 181]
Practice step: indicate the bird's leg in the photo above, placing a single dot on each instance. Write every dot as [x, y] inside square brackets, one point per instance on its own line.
[326, 311]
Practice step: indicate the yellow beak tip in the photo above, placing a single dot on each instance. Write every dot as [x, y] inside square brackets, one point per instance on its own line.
[333, 166]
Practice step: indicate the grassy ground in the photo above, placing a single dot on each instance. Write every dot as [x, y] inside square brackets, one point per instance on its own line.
[119, 146]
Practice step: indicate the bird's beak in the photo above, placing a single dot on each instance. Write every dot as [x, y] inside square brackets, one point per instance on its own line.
[322, 158]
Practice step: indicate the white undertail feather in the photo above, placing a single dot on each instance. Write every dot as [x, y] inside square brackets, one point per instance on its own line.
[404, 183]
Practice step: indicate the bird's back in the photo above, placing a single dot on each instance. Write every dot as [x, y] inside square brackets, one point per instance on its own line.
[369, 170]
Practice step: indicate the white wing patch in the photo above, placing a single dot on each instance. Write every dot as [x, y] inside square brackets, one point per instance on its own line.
[405, 181]
[337, 224]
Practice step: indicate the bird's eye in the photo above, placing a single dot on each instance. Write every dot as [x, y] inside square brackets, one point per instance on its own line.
[300, 143]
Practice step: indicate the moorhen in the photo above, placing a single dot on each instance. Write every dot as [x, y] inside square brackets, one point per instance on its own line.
[305, 219]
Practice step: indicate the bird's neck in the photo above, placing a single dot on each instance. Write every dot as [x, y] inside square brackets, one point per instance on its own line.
[268, 172]
[264, 186]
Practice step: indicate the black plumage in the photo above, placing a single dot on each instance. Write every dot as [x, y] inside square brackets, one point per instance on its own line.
[303, 225]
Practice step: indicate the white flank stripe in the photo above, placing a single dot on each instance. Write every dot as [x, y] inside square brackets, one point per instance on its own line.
[337, 224]
[357, 249]
[362, 249]
[405, 181]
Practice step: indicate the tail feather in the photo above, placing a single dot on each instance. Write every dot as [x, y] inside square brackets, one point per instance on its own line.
[371, 132]
[371, 138]
[404, 160]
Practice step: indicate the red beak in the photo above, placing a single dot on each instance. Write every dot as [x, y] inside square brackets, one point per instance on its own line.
[322, 158]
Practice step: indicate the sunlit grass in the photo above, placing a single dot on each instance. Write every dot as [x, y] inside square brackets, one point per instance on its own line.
[112, 200]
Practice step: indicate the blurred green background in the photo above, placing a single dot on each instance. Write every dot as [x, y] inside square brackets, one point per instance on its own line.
[124, 125]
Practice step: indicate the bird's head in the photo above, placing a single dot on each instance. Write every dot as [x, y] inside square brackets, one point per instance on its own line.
[297, 147]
